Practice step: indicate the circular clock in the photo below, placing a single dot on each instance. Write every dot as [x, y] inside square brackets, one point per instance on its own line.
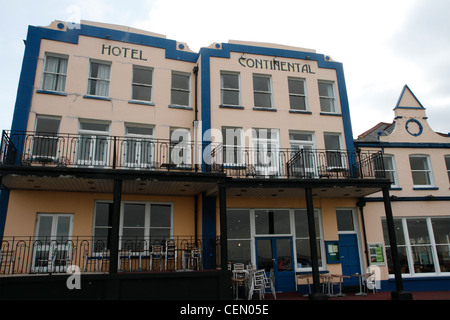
[413, 127]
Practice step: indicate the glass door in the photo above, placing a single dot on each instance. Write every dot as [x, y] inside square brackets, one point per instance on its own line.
[274, 255]
[52, 245]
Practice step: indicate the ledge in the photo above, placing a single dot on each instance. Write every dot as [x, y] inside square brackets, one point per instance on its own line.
[145, 103]
[87, 96]
[264, 109]
[226, 106]
[180, 107]
[300, 111]
[56, 93]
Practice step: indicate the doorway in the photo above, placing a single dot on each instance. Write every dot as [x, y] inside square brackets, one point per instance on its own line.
[274, 255]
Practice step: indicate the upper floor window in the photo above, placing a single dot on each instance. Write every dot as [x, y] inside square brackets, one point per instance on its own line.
[233, 151]
[297, 94]
[447, 164]
[262, 91]
[327, 97]
[229, 85]
[180, 89]
[421, 170]
[55, 73]
[99, 78]
[142, 84]
[390, 169]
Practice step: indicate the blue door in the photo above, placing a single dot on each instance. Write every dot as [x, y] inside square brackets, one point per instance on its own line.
[274, 254]
[348, 249]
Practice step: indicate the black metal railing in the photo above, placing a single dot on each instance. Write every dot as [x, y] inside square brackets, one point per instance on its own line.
[53, 255]
[263, 161]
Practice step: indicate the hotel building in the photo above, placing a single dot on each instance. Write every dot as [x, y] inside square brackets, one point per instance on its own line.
[135, 160]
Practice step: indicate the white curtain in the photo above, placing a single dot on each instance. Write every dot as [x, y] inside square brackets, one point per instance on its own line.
[102, 88]
[55, 74]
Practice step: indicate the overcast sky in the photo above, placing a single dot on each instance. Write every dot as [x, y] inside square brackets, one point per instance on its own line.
[382, 44]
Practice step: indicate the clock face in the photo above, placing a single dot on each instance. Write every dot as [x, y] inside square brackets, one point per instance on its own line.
[413, 127]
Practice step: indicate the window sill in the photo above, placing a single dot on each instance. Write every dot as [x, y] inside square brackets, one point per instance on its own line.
[56, 93]
[396, 188]
[146, 103]
[331, 114]
[264, 109]
[300, 111]
[227, 106]
[425, 188]
[87, 96]
[180, 107]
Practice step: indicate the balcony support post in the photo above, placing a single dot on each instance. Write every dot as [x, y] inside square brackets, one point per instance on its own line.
[115, 226]
[223, 226]
[316, 294]
[399, 294]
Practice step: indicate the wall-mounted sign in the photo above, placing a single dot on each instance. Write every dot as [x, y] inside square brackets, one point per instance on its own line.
[122, 52]
[333, 252]
[275, 64]
[376, 254]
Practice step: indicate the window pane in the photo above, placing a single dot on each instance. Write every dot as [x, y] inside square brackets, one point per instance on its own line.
[160, 216]
[134, 215]
[144, 131]
[142, 93]
[262, 100]
[45, 226]
[103, 214]
[47, 125]
[418, 232]
[230, 81]
[325, 89]
[301, 223]
[345, 220]
[239, 251]
[180, 81]
[92, 126]
[230, 97]
[272, 222]
[238, 222]
[304, 253]
[142, 76]
[180, 98]
[399, 235]
[297, 102]
[261, 84]
[421, 178]
[296, 86]
[332, 142]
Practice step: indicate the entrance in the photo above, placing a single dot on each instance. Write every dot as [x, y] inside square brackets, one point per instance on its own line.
[274, 255]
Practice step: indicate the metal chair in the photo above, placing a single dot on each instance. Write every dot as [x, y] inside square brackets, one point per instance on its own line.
[171, 255]
[257, 284]
[156, 256]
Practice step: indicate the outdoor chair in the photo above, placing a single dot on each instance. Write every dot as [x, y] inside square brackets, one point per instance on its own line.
[171, 255]
[156, 256]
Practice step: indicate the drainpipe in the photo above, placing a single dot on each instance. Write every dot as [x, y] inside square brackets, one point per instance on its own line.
[195, 71]
[360, 204]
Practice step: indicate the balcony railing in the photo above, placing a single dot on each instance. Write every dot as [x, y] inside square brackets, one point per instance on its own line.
[263, 161]
[49, 255]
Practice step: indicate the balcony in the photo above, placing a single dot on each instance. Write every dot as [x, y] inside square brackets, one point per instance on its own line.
[21, 255]
[111, 152]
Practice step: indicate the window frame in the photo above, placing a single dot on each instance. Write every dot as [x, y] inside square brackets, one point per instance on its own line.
[175, 89]
[102, 80]
[331, 98]
[304, 95]
[428, 170]
[391, 157]
[269, 92]
[224, 90]
[447, 165]
[58, 74]
[145, 85]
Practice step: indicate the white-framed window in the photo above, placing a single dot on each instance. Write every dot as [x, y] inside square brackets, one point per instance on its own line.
[138, 146]
[145, 223]
[302, 146]
[233, 148]
[45, 141]
[262, 90]
[327, 97]
[93, 143]
[302, 241]
[266, 151]
[181, 89]
[335, 158]
[391, 170]
[423, 244]
[52, 245]
[447, 165]
[422, 174]
[239, 236]
[142, 84]
[55, 73]
[99, 79]
[230, 88]
[180, 150]
[297, 94]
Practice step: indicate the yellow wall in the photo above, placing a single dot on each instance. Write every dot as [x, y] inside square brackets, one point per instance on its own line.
[24, 205]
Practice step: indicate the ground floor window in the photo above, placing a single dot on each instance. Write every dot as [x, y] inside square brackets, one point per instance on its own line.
[246, 226]
[141, 224]
[423, 244]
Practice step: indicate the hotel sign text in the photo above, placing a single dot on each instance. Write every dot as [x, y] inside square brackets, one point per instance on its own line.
[275, 65]
[122, 52]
